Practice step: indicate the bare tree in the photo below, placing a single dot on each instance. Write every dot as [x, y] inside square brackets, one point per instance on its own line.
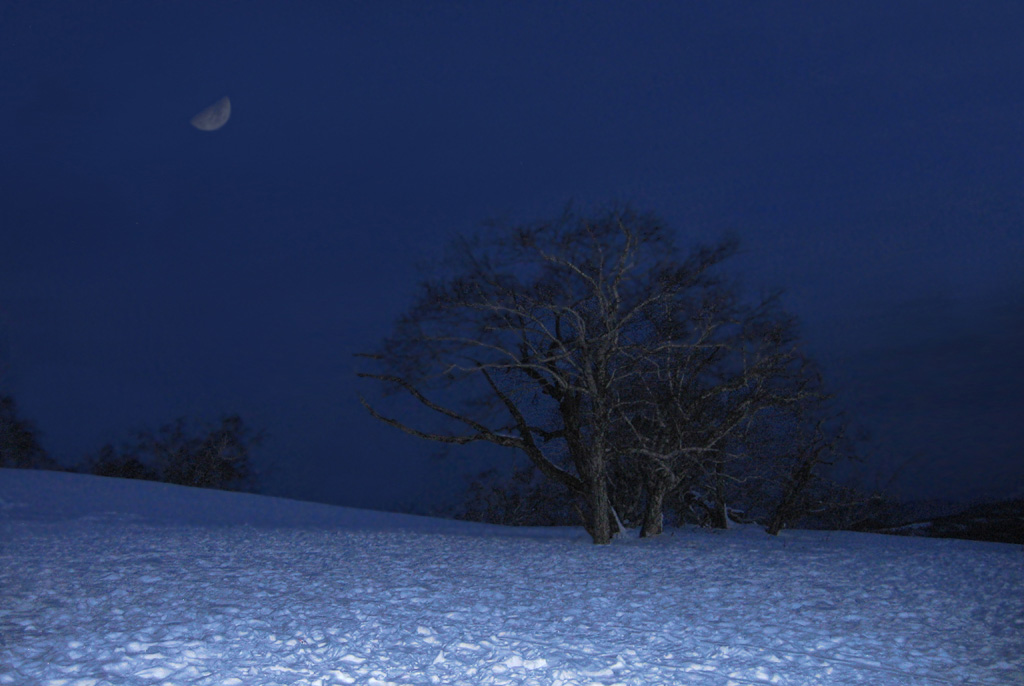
[727, 362]
[812, 441]
[529, 318]
[573, 341]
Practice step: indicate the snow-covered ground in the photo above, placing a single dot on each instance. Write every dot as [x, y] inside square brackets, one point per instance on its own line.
[105, 581]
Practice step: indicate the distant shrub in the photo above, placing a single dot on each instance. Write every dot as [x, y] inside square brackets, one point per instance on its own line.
[186, 453]
[523, 498]
[109, 462]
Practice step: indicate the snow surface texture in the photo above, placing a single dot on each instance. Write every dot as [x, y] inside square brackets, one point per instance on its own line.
[105, 581]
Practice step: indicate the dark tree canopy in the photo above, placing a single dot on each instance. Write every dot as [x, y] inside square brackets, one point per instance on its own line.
[19, 440]
[623, 368]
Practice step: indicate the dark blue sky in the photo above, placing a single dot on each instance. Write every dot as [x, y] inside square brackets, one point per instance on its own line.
[870, 155]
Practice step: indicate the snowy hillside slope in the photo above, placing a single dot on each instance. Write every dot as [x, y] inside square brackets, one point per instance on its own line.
[59, 496]
[104, 581]
[1000, 522]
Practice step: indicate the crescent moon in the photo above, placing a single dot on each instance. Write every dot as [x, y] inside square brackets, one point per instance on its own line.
[214, 116]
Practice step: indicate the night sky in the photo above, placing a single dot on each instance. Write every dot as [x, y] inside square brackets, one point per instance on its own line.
[870, 155]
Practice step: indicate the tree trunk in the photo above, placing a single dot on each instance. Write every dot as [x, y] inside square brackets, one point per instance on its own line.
[600, 525]
[653, 513]
[777, 522]
[720, 514]
[788, 507]
[614, 522]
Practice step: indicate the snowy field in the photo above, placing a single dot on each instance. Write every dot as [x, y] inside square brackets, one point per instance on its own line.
[105, 581]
